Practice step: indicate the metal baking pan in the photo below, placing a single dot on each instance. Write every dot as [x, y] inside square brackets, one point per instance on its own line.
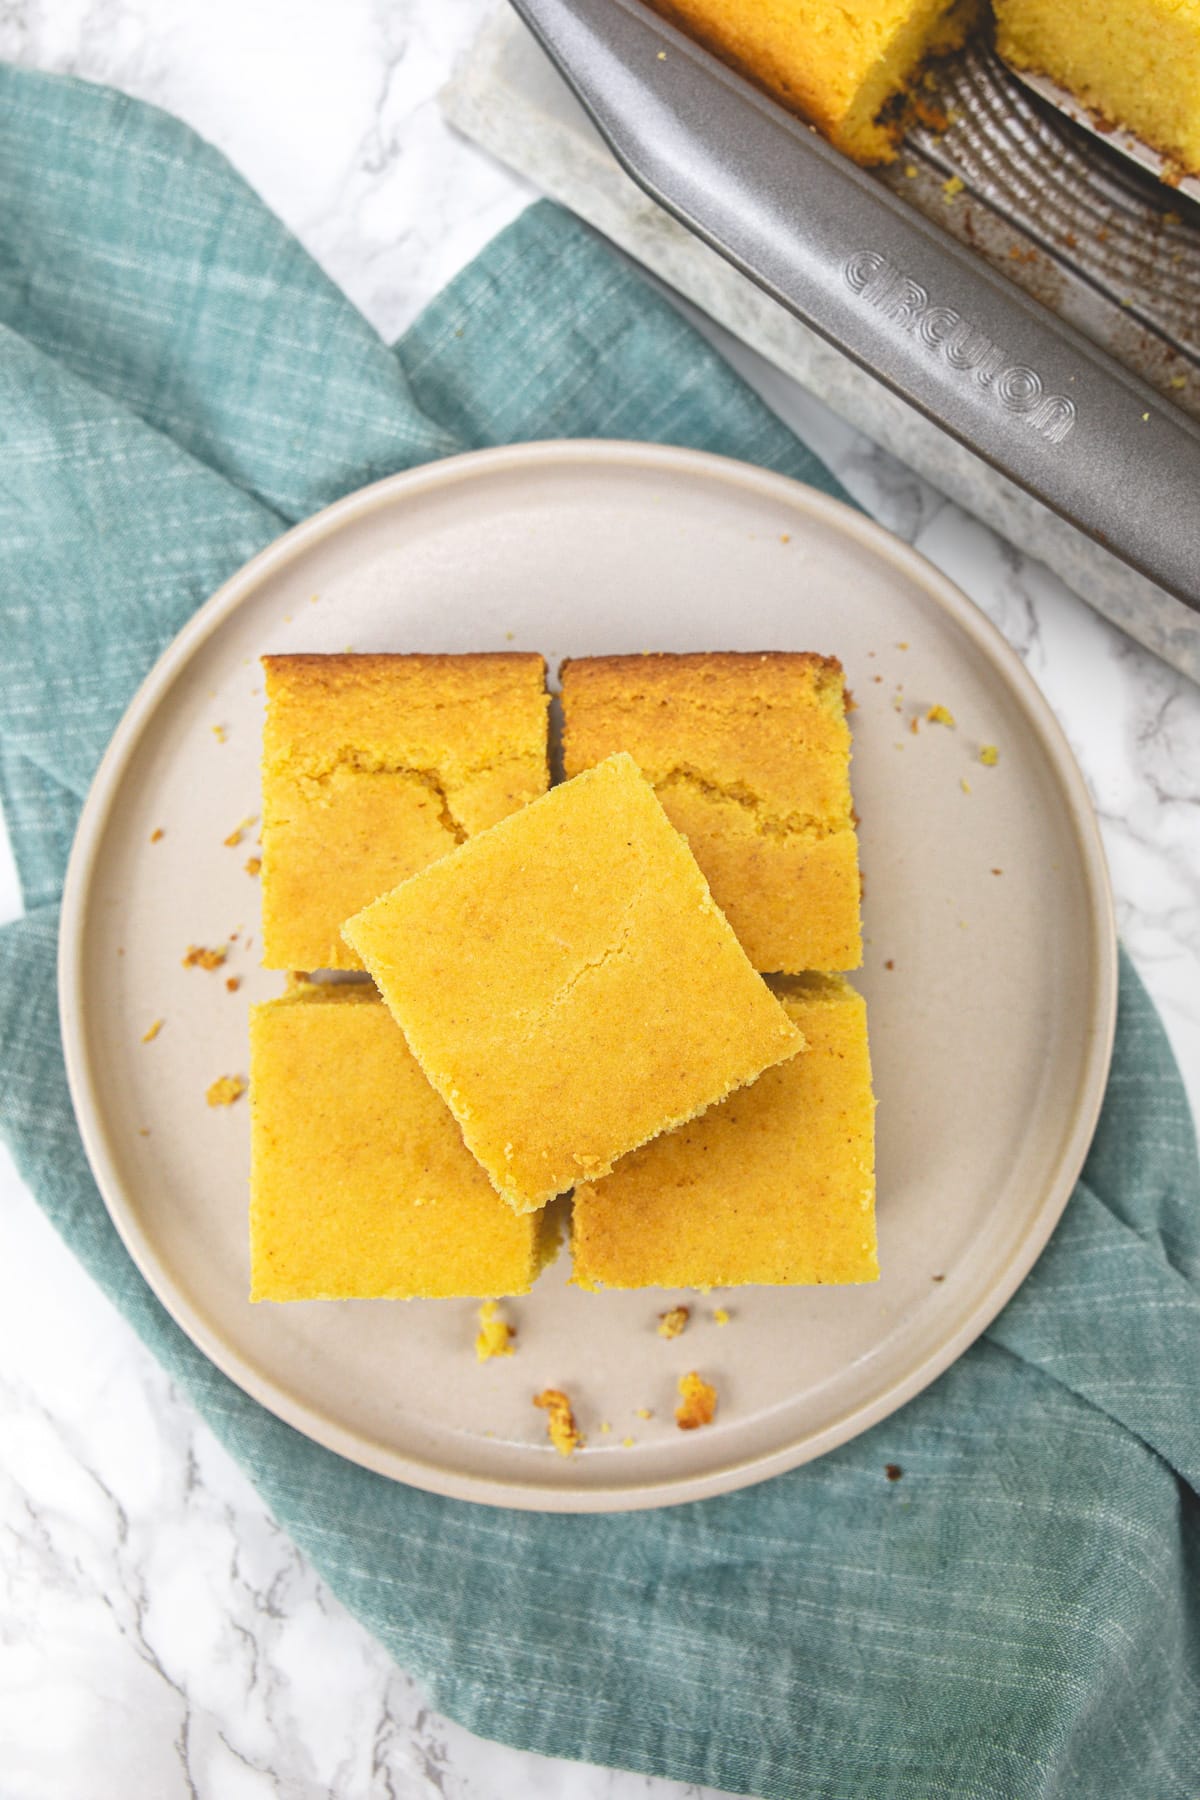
[1047, 318]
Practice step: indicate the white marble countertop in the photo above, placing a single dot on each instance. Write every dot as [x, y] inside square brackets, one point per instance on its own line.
[158, 1634]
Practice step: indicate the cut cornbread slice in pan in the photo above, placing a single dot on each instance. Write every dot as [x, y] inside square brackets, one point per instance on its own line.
[361, 1186]
[750, 756]
[374, 766]
[569, 986]
[843, 64]
[777, 1185]
[1135, 62]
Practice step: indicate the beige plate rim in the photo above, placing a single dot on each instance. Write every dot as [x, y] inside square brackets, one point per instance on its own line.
[875, 542]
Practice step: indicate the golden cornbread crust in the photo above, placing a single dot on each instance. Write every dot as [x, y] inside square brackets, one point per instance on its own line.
[569, 986]
[376, 765]
[844, 65]
[774, 1187]
[1134, 62]
[749, 753]
[360, 1185]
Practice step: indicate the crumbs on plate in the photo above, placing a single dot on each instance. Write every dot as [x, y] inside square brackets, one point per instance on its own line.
[671, 1323]
[152, 1031]
[560, 1420]
[225, 1090]
[199, 958]
[697, 1403]
[495, 1333]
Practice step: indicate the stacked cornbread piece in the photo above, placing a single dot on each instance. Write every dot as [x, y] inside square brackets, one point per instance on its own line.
[568, 991]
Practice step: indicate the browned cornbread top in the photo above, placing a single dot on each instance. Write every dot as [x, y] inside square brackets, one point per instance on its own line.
[475, 724]
[376, 765]
[568, 985]
[774, 1186]
[749, 753]
[361, 1184]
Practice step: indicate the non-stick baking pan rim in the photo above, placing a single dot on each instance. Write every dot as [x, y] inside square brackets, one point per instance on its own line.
[1024, 390]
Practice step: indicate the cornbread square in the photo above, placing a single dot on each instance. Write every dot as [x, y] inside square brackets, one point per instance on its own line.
[750, 756]
[843, 64]
[775, 1186]
[373, 767]
[569, 986]
[1135, 62]
[360, 1185]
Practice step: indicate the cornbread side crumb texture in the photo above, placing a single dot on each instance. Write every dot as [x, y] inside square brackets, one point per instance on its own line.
[777, 1186]
[750, 756]
[842, 64]
[1135, 62]
[569, 986]
[359, 1182]
[373, 767]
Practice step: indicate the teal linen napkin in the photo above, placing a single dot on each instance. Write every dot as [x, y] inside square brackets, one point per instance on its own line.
[1019, 1615]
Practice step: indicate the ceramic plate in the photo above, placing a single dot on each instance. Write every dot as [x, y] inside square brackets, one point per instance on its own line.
[990, 968]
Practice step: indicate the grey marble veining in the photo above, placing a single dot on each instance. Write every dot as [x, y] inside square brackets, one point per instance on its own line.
[159, 1636]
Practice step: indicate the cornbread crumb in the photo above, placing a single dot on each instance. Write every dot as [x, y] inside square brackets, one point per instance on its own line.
[220, 733]
[1177, 381]
[910, 171]
[964, 784]
[495, 1333]
[997, 871]
[642, 1412]
[914, 725]
[253, 865]
[627, 1443]
[889, 964]
[989, 756]
[200, 958]
[233, 983]
[149, 1035]
[560, 1420]
[670, 1324]
[157, 835]
[698, 1402]
[225, 1090]
[239, 831]
[720, 1316]
[953, 187]
[940, 715]
[605, 1426]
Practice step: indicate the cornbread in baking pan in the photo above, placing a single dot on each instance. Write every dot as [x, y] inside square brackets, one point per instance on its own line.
[775, 1186]
[844, 65]
[1135, 62]
[360, 1184]
[373, 767]
[750, 756]
[569, 986]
